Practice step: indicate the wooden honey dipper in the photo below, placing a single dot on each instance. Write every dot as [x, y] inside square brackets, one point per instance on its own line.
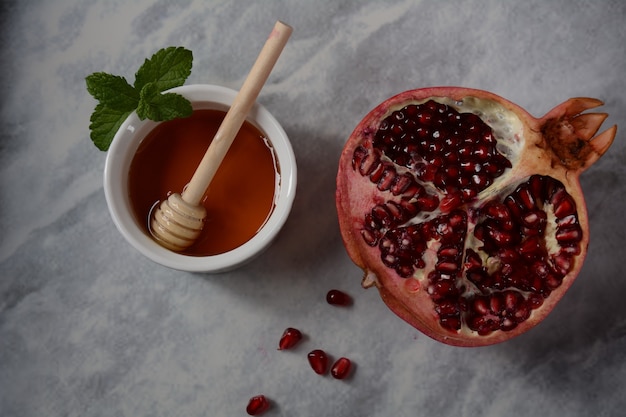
[179, 219]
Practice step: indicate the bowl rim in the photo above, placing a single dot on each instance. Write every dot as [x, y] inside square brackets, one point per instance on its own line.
[126, 141]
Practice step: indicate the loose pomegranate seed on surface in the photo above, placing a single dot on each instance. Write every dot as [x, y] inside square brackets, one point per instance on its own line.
[289, 339]
[318, 361]
[338, 298]
[341, 368]
[257, 405]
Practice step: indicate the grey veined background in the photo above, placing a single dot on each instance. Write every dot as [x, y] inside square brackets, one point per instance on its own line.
[88, 327]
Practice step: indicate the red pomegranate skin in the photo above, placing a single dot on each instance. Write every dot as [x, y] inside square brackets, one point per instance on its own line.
[551, 151]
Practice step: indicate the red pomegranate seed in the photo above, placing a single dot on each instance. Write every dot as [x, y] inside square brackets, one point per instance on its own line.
[319, 361]
[341, 368]
[338, 298]
[257, 405]
[289, 339]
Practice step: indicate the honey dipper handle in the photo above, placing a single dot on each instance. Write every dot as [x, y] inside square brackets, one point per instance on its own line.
[237, 113]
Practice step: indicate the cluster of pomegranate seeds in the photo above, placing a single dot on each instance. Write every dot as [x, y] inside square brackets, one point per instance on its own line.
[449, 158]
[257, 405]
[318, 361]
[341, 368]
[338, 298]
[289, 339]
[529, 239]
[485, 263]
[456, 152]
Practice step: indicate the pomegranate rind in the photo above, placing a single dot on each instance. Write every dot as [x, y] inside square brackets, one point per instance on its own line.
[405, 297]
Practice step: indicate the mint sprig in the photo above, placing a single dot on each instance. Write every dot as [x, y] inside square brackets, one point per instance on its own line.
[167, 68]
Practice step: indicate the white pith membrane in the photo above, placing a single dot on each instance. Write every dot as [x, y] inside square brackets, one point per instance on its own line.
[508, 130]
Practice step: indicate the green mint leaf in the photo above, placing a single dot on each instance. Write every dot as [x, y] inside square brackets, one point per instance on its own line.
[105, 122]
[112, 91]
[158, 106]
[168, 68]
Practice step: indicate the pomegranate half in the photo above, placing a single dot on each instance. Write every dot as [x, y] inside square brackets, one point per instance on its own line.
[465, 211]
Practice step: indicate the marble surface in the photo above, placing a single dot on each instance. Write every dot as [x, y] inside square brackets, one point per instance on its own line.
[89, 327]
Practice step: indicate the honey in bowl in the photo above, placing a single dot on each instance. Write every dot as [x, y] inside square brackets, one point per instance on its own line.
[239, 199]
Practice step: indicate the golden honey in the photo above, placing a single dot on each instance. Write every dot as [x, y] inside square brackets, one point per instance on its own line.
[241, 195]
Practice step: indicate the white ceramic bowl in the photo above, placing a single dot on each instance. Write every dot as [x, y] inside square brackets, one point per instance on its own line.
[120, 155]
